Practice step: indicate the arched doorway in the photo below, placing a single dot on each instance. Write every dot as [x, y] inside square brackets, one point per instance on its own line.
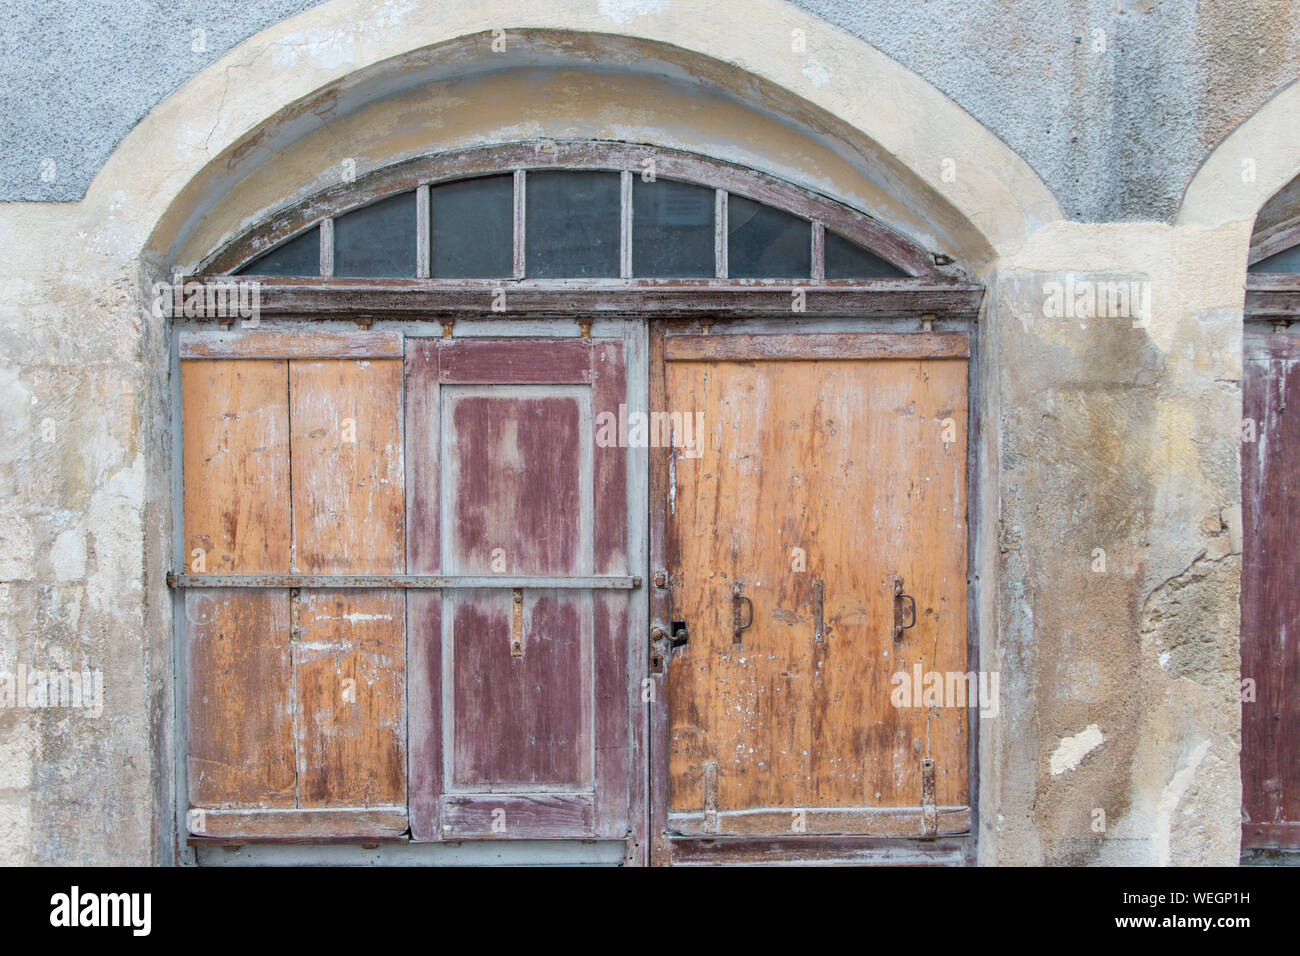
[576, 490]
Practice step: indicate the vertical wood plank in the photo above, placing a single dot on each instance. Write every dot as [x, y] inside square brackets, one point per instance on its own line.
[625, 225]
[349, 663]
[240, 711]
[521, 183]
[424, 609]
[236, 479]
[348, 517]
[347, 466]
[236, 465]
[818, 250]
[720, 234]
[327, 247]
[659, 480]
[513, 465]
[609, 511]
[423, 233]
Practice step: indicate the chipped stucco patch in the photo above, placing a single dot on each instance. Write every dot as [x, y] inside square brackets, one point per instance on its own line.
[1171, 797]
[1071, 750]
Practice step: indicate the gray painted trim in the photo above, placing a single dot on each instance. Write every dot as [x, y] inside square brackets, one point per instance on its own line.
[485, 853]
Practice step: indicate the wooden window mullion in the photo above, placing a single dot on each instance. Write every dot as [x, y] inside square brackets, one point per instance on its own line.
[720, 234]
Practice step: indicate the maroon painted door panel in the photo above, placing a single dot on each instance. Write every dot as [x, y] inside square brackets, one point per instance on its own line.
[1270, 592]
[518, 695]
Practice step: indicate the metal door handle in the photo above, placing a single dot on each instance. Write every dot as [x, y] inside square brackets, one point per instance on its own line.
[739, 601]
[899, 609]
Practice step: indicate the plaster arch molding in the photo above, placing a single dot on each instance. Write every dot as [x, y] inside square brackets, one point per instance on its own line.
[1243, 172]
[754, 82]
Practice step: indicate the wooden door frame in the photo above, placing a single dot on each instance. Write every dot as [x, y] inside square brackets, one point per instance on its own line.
[666, 850]
[934, 291]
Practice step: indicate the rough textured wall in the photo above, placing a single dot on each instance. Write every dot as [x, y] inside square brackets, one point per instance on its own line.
[1113, 102]
[1119, 544]
[76, 567]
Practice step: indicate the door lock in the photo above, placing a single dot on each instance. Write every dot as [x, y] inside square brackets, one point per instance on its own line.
[662, 643]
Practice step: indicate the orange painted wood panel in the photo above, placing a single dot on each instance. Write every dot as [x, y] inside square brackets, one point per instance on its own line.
[816, 470]
[235, 444]
[347, 466]
[349, 660]
[236, 473]
[349, 651]
[240, 713]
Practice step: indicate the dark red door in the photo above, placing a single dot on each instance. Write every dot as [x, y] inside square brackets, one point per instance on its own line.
[518, 687]
[1270, 592]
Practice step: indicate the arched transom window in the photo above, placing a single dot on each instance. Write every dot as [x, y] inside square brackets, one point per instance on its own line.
[586, 211]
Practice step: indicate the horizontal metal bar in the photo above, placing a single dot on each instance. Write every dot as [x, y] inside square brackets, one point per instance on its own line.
[414, 581]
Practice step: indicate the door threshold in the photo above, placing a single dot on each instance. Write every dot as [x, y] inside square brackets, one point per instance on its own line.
[818, 851]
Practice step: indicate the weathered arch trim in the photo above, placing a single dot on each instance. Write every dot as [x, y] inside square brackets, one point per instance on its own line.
[305, 69]
[1243, 172]
[1257, 160]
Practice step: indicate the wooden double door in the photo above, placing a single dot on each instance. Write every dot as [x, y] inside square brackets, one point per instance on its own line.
[423, 608]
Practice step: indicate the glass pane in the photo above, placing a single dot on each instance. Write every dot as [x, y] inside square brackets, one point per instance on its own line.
[672, 230]
[299, 256]
[1288, 260]
[572, 225]
[763, 242]
[378, 240]
[848, 260]
[472, 222]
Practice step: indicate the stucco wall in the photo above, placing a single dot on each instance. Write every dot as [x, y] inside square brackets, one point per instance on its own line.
[1114, 103]
[1118, 687]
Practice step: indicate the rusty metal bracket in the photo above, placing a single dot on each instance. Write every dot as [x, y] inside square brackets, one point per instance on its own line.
[406, 581]
[517, 624]
[819, 605]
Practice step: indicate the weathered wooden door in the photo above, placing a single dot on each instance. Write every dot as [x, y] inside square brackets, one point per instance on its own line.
[519, 685]
[293, 466]
[1270, 592]
[811, 518]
